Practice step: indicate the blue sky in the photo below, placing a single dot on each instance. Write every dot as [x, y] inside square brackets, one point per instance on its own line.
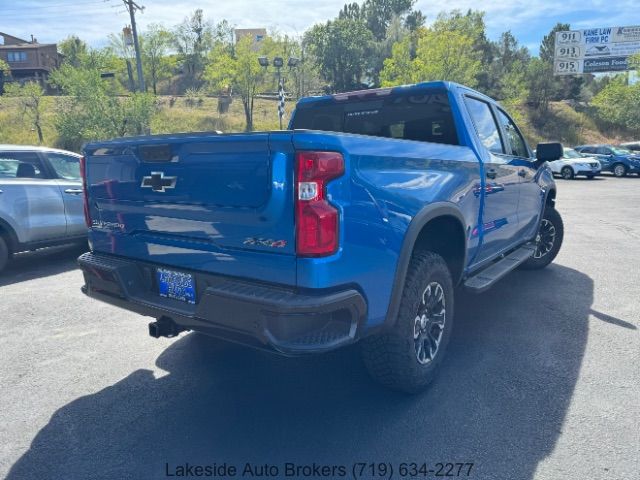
[93, 20]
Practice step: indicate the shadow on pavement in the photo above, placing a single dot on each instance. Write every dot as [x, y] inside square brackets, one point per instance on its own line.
[500, 400]
[41, 263]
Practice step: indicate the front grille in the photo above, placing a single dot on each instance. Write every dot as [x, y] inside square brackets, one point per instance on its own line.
[593, 164]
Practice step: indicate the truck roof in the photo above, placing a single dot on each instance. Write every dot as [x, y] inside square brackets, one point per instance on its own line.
[383, 91]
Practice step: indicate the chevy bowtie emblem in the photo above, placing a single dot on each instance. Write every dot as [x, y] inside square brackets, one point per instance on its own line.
[158, 182]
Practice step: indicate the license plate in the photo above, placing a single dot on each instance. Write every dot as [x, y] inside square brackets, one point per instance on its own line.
[176, 285]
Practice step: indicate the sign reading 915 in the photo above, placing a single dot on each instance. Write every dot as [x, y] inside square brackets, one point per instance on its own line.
[569, 52]
[567, 67]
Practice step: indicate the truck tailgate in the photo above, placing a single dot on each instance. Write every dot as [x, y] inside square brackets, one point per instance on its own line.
[216, 203]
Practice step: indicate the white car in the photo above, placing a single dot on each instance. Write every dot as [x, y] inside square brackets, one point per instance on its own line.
[572, 164]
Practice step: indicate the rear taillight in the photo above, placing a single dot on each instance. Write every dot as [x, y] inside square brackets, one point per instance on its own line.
[317, 232]
[85, 194]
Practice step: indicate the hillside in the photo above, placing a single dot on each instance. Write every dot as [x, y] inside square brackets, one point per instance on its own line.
[180, 114]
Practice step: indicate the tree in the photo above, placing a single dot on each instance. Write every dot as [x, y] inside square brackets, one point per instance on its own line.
[155, 43]
[5, 72]
[341, 49]
[92, 111]
[440, 55]
[30, 95]
[239, 71]
[541, 84]
[505, 73]
[193, 39]
[73, 50]
[378, 14]
[618, 104]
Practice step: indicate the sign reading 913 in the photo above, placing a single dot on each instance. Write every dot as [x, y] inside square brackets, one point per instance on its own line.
[568, 52]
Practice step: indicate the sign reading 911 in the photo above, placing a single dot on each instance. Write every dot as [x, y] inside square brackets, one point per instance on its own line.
[594, 50]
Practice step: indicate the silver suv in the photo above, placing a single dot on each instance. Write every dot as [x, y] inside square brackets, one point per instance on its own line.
[41, 202]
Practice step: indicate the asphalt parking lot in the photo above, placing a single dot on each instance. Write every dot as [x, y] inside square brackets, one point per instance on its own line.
[542, 379]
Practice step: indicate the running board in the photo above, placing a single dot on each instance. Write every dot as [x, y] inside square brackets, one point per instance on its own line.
[490, 275]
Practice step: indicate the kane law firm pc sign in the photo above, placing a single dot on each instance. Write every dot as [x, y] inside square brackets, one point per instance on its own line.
[595, 50]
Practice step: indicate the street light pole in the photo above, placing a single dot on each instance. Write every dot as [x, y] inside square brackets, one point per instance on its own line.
[278, 62]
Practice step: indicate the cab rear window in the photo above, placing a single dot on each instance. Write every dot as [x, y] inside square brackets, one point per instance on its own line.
[423, 117]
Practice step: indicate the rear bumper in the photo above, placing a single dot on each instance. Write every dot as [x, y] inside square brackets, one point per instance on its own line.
[288, 321]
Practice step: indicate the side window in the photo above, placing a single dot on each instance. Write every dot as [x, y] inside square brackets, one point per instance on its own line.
[514, 139]
[485, 124]
[65, 166]
[20, 165]
[587, 150]
[603, 151]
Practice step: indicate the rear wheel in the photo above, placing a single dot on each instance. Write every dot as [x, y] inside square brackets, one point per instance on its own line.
[4, 254]
[567, 173]
[548, 240]
[407, 358]
[620, 170]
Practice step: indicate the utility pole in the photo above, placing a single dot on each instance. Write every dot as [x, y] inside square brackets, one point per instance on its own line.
[132, 7]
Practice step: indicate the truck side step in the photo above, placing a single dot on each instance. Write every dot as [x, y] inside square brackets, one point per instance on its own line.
[490, 275]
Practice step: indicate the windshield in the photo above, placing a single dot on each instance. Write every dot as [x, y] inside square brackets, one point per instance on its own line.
[571, 153]
[620, 151]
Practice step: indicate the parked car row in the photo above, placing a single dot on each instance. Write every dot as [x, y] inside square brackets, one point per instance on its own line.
[592, 160]
[617, 160]
[41, 201]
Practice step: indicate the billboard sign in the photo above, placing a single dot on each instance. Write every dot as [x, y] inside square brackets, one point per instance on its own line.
[594, 50]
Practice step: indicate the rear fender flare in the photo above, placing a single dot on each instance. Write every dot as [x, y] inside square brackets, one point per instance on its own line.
[424, 216]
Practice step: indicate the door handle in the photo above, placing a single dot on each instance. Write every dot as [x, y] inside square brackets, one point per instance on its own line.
[73, 191]
[0, 191]
[522, 173]
[491, 173]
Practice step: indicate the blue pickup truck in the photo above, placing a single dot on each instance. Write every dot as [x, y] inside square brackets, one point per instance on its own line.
[356, 224]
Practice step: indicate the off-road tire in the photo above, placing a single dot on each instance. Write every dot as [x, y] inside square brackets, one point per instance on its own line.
[4, 254]
[553, 216]
[391, 357]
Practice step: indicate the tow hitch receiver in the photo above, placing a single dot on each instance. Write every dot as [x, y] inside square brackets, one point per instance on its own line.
[164, 327]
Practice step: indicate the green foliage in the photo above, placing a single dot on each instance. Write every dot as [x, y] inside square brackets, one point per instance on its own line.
[193, 38]
[378, 15]
[92, 111]
[73, 49]
[541, 83]
[398, 68]
[236, 71]
[4, 74]
[341, 49]
[440, 55]
[30, 95]
[619, 104]
[4, 68]
[155, 44]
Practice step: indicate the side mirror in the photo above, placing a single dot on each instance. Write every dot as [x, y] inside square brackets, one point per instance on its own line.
[548, 152]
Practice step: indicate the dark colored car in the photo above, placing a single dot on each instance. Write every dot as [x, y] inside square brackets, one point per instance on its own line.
[616, 160]
[633, 146]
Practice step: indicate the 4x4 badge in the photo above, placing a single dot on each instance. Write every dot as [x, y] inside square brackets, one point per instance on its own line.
[158, 182]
